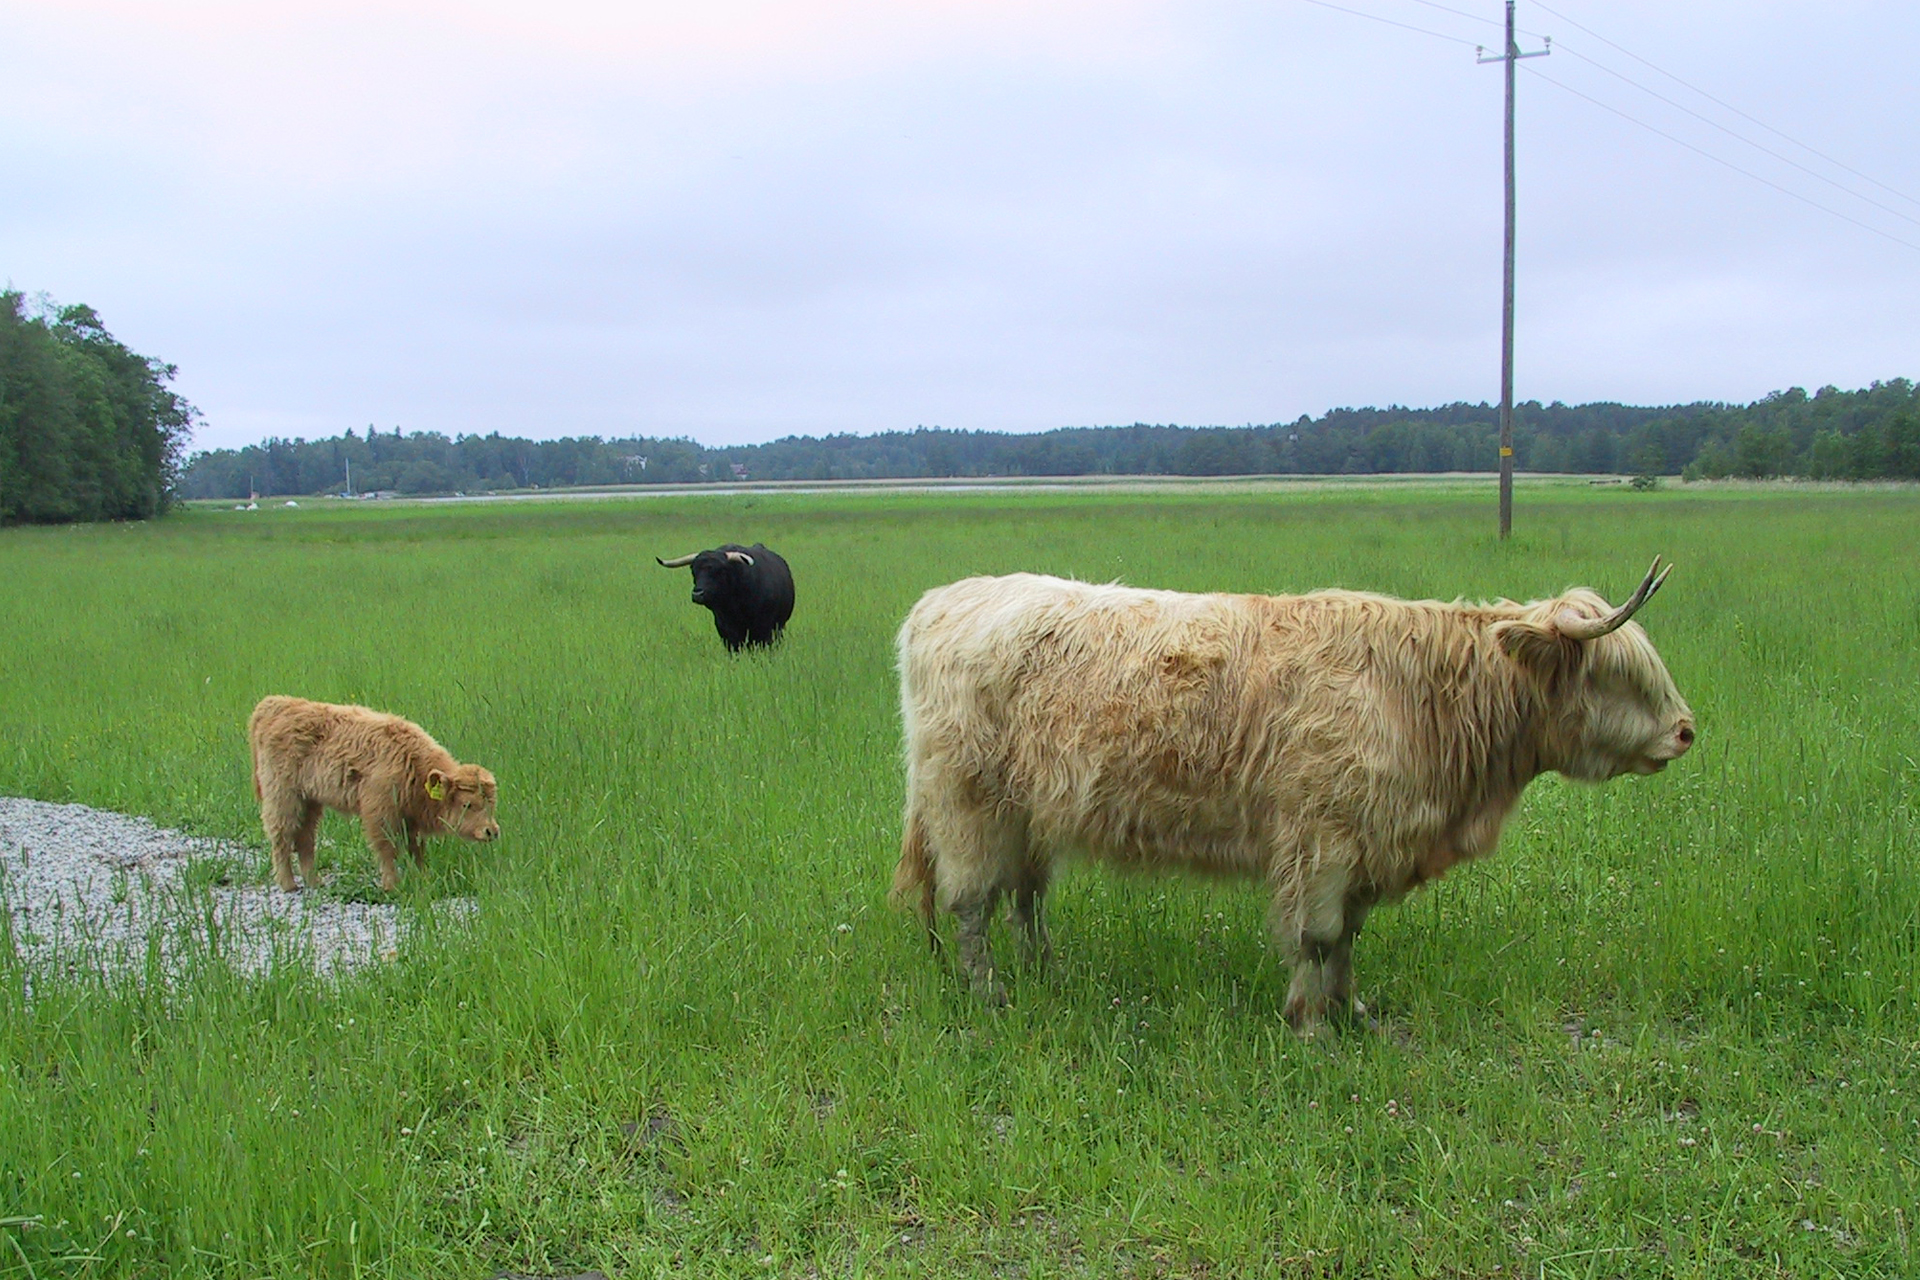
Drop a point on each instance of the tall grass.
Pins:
(1669, 1029)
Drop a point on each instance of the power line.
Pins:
(1460, 13)
(1404, 26)
(1813, 173)
(1474, 17)
(1372, 17)
(1717, 160)
(1728, 105)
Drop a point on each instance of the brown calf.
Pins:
(310, 756)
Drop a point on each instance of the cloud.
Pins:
(744, 220)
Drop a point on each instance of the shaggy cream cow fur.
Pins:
(1341, 746)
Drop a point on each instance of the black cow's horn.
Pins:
(741, 557)
(1577, 628)
(677, 563)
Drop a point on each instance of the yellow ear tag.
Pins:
(436, 792)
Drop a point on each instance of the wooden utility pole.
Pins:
(1510, 55)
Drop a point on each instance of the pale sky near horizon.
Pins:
(738, 221)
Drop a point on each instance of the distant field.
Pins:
(1157, 485)
(1672, 1028)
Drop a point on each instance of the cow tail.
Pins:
(913, 876)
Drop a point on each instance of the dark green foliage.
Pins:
(1459, 437)
(88, 429)
(1866, 434)
(1872, 434)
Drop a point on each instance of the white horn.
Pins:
(1574, 627)
(678, 563)
(740, 557)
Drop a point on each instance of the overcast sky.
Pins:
(738, 221)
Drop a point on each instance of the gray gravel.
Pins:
(90, 890)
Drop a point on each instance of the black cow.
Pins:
(749, 589)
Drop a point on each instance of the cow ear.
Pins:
(436, 785)
(1542, 652)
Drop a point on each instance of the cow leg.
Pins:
(417, 846)
(1311, 922)
(282, 815)
(976, 953)
(975, 850)
(303, 840)
(1027, 918)
(376, 825)
(1338, 968)
(1306, 1006)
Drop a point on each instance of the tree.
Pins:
(1647, 460)
(88, 429)
(1903, 447)
(1773, 436)
(1828, 457)
(1761, 451)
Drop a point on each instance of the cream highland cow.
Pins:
(1342, 747)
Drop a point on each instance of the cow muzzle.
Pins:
(1676, 744)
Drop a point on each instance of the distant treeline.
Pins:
(1870, 434)
(88, 429)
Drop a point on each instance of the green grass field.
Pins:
(1671, 1028)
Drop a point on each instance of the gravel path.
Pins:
(93, 890)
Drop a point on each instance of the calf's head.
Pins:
(1611, 707)
(465, 798)
(718, 576)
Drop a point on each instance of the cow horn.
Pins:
(740, 557)
(1577, 628)
(678, 563)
